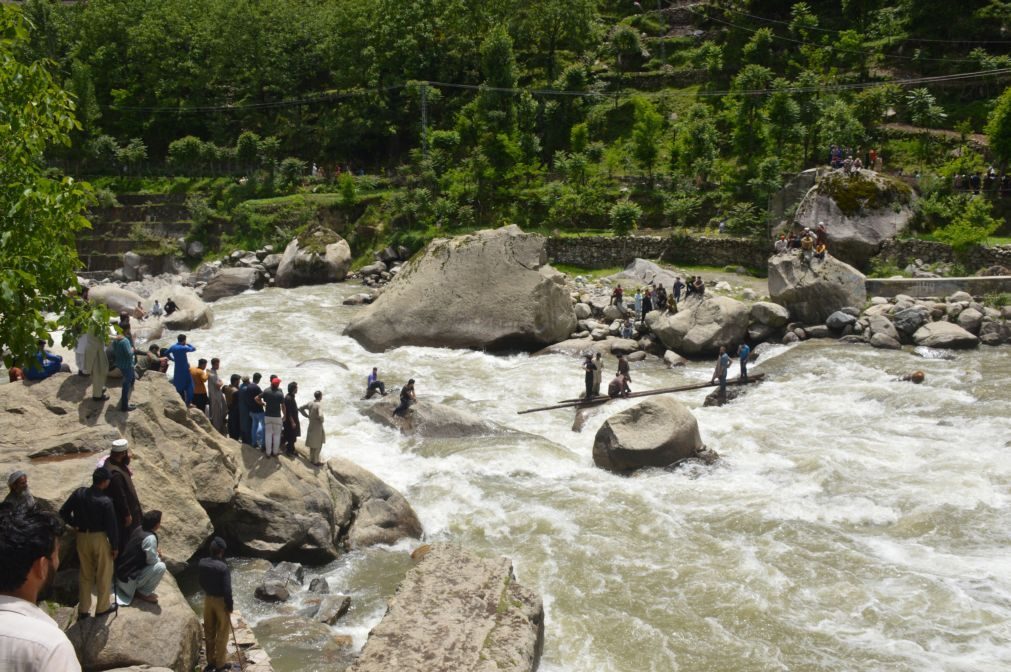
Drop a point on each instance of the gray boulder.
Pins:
(483, 290)
(860, 210)
(994, 333)
(582, 311)
(192, 313)
(944, 335)
(812, 293)
(272, 261)
(655, 433)
(643, 272)
(279, 581)
(909, 320)
(383, 515)
(970, 319)
(770, 314)
(165, 635)
(316, 257)
(331, 608)
(456, 611)
(428, 419)
(839, 320)
(232, 281)
(884, 341)
(115, 298)
(703, 327)
(879, 324)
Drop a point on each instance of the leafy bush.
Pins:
(291, 171)
(624, 216)
(972, 226)
(682, 208)
(346, 186)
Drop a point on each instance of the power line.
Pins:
(835, 49)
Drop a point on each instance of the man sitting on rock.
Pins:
(45, 364)
(407, 397)
(374, 384)
(617, 297)
(19, 495)
(140, 568)
(170, 307)
(781, 244)
(807, 246)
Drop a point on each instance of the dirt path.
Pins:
(908, 129)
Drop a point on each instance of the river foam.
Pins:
(854, 522)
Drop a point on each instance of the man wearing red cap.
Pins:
(272, 400)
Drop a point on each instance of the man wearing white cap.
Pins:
(121, 490)
(19, 495)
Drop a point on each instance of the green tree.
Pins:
(624, 216)
(39, 215)
(646, 133)
(838, 125)
(971, 227)
(998, 128)
(626, 46)
(247, 149)
(924, 112)
(549, 25)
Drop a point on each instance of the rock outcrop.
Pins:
(457, 612)
(641, 272)
(165, 635)
(316, 257)
(944, 335)
(232, 281)
(204, 483)
(701, 327)
(116, 298)
(484, 290)
(655, 433)
(860, 211)
(193, 313)
(812, 292)
(428, 419)
(383, 515)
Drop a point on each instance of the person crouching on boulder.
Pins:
(407, 397)
(618, 387)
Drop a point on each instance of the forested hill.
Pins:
(541, 112)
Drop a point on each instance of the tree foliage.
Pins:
(39, 214)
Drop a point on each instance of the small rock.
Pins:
(673, 359)
(884, 341)
(839, 320)
(279, 581)
(332, 607)
(959, 297)
(818, 331)
(636, 356)
(319, 586)
(583, 311)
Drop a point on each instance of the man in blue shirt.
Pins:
(722, 365)
(743, 353)
(45, 364)
(181, 377)
(122, 352)
(375, 384)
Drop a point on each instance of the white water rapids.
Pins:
(853, 523)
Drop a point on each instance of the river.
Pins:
(854, 522)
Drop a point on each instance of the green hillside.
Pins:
(567, 115)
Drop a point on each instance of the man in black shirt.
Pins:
(90, 512)
(253, 390)
(272, 402)
(590, 369)
(216, 582)
(406, 399)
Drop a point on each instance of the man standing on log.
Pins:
(90, 512)
(216, 582)
(722, 365)
(743, 352)
(591, 370)
(121, 490)
(597, 374)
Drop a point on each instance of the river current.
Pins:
(853, 522)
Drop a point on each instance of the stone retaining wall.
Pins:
(922, 287)
(903, 252)
(604, 252)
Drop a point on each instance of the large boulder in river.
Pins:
(944, 335)
(812, 292)
(860, 211)
(483, 290)
(701, 327)
(192, 312)
(232, 281)
(116, 298)
(428, 419)
(456, 612)
(165, 635)
(383, 515)
(655, 433)
(316, 257)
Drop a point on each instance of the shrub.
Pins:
(291, 171)
(624, 216)
(346, 186)
(972, 226)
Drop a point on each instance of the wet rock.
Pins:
(383, 515)
(789, 338)
(839, 320)
(456, 611)
(944, 335)
(852, 339)
(332, 607)
(879, 324)
(192, 312)
(909, 320)
(166, 635)
(714, 398)
(305, 639)
(769, 314)
(429, 419)
(673, 359)
(319, 586)
(654, 433)
(812, 293)
(232, 281)
(279, 581)
(316, 257)
(818, 331)
(358, 299)
(884, 341)
(994, 333)
(637, 356)
(442, 298)
(623, 346)
(702, 328)
(757, 333)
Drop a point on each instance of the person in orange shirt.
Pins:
(199, 373)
